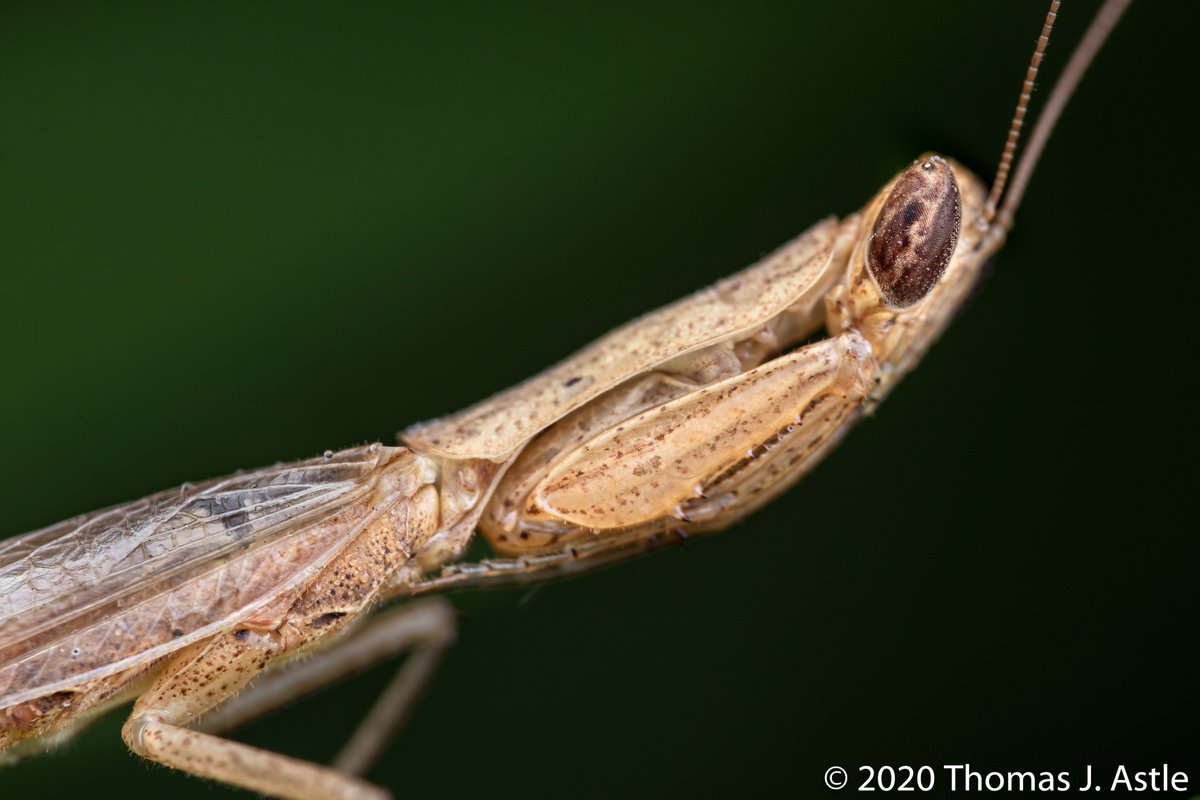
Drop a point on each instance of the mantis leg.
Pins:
(192, 681)
(205, 675)
(223, 665)
(427, 628)
(584, 557)
(608, 508)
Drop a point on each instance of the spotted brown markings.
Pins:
(710, 486)
(353, 580)
(915, 233)
(25, 717)
(327, 619)
(41, 716)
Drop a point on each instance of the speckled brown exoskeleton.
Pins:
(676, 424)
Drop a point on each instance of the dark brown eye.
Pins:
(915, 233)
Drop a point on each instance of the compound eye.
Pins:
(915, 233)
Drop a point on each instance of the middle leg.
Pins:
(426, 627)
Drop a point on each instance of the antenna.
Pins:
(1102, 25)
(1018, 120)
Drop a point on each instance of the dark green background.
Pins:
(235, 234)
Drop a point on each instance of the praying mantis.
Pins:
(555, 335)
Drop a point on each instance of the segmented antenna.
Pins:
(1102, 25)
(1018, 120)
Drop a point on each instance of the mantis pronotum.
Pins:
(805, 220)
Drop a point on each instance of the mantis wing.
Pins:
(114, 589)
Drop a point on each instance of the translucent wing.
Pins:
(494, 429)
(112, 589)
